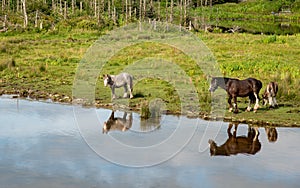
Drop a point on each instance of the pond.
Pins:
(44, 144)
(275, 27)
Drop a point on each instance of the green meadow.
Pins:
(45, 65)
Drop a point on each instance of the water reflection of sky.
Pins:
(41, 147)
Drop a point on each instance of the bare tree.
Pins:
(140, 11)
(73, 6)
(184, 15)
(126, 11)
(18, 5)
(180, 19)
(25, 13)
(3, 5)
(60, 7)
(158, 10)
(53, 6)
(171, 11)
(166, 10)
(95, 8)
(80, 6)
(144, 9)
(65, 10)
(36, 18)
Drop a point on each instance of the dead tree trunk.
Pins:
(184, 15)
(126, 11)
(25, 13)
(36, 18)
(65, 10)
(144, 9)
(140, 11)
(180, 18)
(95, 8)
(166, 10)
(80, 6)
(171, 11)
(3, 5)
(53, 6)
(73, 6)
(158, 10)
(18, 5)
(60, 7)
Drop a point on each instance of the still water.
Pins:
(52, 145)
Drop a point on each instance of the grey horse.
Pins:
(121, 80)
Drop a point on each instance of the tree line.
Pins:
(99, 13)
(38, 12)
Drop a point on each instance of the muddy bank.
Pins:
(64, 99)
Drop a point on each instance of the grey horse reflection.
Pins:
(117, 123)
(237, 144)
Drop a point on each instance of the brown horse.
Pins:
(237, 144)
(117, 123)
(249, 87)
(270, 94)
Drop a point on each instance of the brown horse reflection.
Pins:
(117, 123)
(237, 144)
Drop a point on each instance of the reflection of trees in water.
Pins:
(151, 115)
(150, 124)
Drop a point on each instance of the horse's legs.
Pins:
(124, 115)
(249, 105)
(113, 92)
(271, 102)
(229, 130)
(130, 90)
(125, 91)
(236, 110)
(256, 106)
(235, 129)
(230, 104)
(256, 133)
(275, 102)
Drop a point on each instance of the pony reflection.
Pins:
(117, 123)
(237, 144)
(271, 133)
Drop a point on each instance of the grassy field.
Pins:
(43, 65)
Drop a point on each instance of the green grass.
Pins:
(48, 63)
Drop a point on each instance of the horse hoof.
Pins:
(236, 111)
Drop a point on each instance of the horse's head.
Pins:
(213, 85)
(107, 80)
(265, 98)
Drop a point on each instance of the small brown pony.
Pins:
(270, 95)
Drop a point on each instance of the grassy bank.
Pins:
(43, 65)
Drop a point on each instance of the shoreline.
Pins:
(62, 99)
